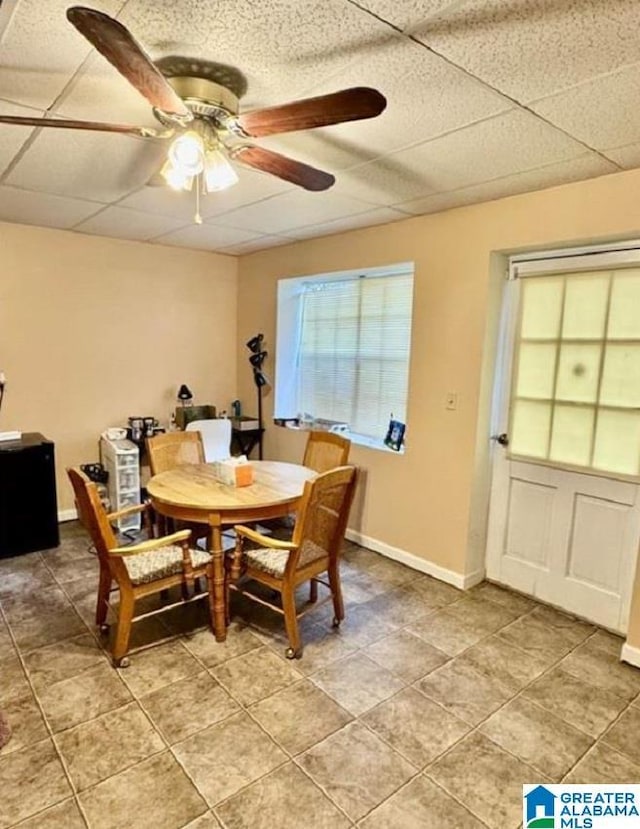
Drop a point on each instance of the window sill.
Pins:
(354, 437)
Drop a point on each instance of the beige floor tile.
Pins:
(464, 691)
(24, 578)
(357, 683)
(362, 626)
(21, 607)
(435, 592)
(322, 645)
(72, 564)
(506, 598)
(239, 640)
(300, 716)
(482, 615)
(63, 660)
(14, 685)
(138, 797)
(157, 667)
(416, 727)
(604, 765)
(537, 737)
(206, 821)
(31, 780)
(38, 631)
(356, 769)
(421, 805)
(604, 670)
(402, 606)
(624, 735)
(406, 654)
(447, 631)
(27, 725)
(605, 641)
(188, 706)
(532, 635)
(574, 630)
(486, 780)
(6, 643)
(83, 697)
(107, 745)
(256, 675)
(226, 757)
(285, 799)
(582, 705)
(65, 815)
(510, 666)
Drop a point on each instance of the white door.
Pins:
(564, 521)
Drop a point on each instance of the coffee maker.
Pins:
(136, 428)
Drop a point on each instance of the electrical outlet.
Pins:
(451, 401)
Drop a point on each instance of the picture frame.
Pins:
(395, 435)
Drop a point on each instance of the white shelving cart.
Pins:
(120, 458)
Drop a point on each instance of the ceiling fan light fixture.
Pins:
(186, 153)
(176, 179)
(218, 173)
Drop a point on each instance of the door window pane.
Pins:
(617, 447)
(578, 372)
(585, 306)
(541, 308)
(530, 429)
(571, 437)
(621, 376)
(536, 370)
(624, 319)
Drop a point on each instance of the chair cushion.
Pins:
(165, 561)
(274, 561)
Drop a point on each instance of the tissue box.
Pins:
(234, 471)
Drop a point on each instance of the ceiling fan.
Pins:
(197, 106)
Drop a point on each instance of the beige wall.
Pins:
(432, 501)
(94, 330)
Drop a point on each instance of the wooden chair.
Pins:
(326, 450)
(139, 570)
(314, 549)
(174, 449)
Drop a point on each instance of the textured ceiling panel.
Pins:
(407, 13)
(206, 237)
(28, 208)
(295, 209)
(616, 121)
(41, 50)
(379, 216)
(100, 167)
(531, 48)
(626, 157)
(498, 147)
(128, 224)
(258, 243)
(12, 138)
(587, 166)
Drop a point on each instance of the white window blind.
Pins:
(353, 351)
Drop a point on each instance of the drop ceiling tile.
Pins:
(41, 50)
(102, 167)
(379, 216)
(587, 166)
(426, 97)
(627, 157)
(280, 214)
(123, 223)
(383, 182)
(615, 121)
(407, 13)
(259, 243)
(281, 46)
(205, 237)
(500, 146)
(534, 48)
(26, 207)
(12, 137)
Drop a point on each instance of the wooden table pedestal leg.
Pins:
(219, 611)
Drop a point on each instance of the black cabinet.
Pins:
(28, 504)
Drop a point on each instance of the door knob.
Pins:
(502, 439)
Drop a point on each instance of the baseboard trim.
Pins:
(67, 515)
(458, 580)
(631, 655)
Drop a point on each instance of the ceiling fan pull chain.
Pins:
(198, 218)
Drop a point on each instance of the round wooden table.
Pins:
(192, 493)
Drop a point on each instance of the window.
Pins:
(576, 397)
(343, 348)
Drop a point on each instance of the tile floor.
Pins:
(429, 708)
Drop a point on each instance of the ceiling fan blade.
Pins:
(286, 168)
(120, 48)
(347, 105)
(66, 124)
